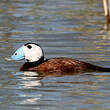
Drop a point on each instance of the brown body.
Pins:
(63, 66)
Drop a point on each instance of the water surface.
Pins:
(64, 28)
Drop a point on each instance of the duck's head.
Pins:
(30, 51)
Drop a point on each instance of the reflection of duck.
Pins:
(28, 74)
(33, 53)
(29, 79)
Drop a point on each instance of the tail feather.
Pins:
(92, 67)
(102, 69)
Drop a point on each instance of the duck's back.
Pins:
(63, 65)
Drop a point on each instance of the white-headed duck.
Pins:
(34, 55)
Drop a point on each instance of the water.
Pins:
(68, 28)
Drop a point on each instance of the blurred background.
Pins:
(64, 28)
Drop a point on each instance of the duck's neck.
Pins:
(36, 63)
(29, 65)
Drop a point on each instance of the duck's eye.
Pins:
(15, 53)
(29, 46)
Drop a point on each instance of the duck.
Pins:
(35, 61)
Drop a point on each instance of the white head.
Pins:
(31, 52)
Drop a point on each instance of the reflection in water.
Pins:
(28, 73)
(29, 80)
(64, 28)
(27, 87)
(61, 92)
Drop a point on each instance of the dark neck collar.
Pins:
(28, 65)
(36, 63)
